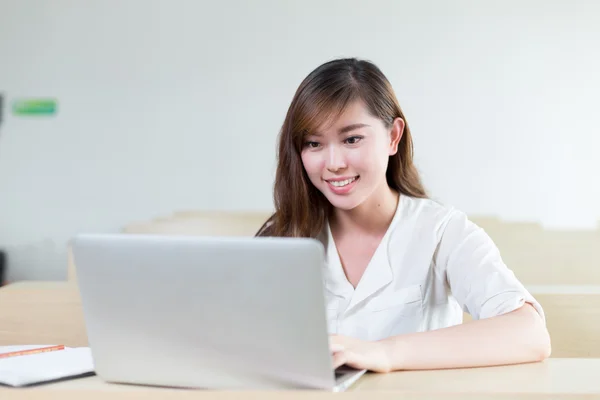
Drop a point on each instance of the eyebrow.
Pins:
(352, 127)
(345, 129)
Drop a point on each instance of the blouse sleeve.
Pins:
(478, 277)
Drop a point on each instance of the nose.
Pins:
(335, 159)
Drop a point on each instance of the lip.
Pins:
(344, 189)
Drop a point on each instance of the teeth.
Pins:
(342, 183)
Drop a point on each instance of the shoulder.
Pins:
(450, 229)
(432, 220)
(429, 211)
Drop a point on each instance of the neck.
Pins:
(371, 217)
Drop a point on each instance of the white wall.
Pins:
(171, 105)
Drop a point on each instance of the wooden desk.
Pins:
(564, 378)
(43, 312)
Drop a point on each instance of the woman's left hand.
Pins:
(359, 354)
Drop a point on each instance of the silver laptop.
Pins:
(207, 312)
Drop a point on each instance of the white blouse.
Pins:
(431, 264)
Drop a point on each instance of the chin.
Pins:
(345, 204)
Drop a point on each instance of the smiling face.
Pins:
(347, 160)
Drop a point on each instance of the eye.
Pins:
(311, 145)
(353, 139)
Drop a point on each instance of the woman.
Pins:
(401, 268)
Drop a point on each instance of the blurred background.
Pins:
(162, 108)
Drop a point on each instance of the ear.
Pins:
(396, 135)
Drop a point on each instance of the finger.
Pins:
(352, 362)
(350, 359)
(339, 359)
(334, 347)
(338, 340)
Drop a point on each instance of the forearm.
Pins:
(516, 337)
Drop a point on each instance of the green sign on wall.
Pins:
(41, 107)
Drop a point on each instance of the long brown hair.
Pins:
(301, 210)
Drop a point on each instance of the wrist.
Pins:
(394, 352)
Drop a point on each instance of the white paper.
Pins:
(43, 367)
